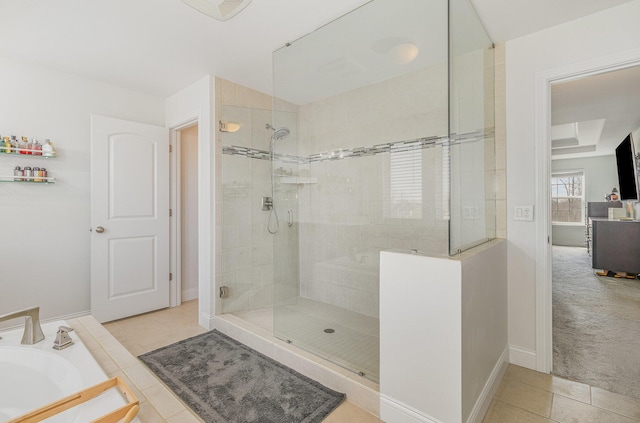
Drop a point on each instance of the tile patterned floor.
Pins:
(147, 332)
(354, 344)
(524, 396)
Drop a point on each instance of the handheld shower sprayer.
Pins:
(278, 134)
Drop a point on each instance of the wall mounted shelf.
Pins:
(28, 179)
(25, 152)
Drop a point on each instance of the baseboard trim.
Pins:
(206, 321)
(522, 357)
(395, 411)
(189, 294)
(490, 387)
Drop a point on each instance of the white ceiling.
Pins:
(613, 97)
(161, 46)
(509, 19)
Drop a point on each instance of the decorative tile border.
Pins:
(391, 147)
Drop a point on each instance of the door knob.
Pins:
(99, 229)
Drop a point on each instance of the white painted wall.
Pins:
(193, 103)
(45, 246)
(585, 40)
(600, 176)
(189, 211)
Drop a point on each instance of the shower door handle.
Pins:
(290, 221)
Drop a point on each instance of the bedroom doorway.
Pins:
(594, 335)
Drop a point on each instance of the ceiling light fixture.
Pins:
(221, 10)
(401, 50)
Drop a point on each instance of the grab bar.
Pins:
(290, 221)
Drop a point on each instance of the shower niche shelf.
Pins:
(299, 180)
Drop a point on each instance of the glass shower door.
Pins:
(366, 173)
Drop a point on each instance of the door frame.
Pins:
(544, 81)
(175, 201)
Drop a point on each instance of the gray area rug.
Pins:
(224, 381)
(596, 325)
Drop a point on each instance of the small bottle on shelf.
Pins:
(43, 173)
(7, 145)
(37, 147)
(15, 145)
(37, 176)
(28, 174)
(47, 148)
(22, 145)
(17, 174)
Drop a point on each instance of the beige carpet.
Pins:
(596, 325)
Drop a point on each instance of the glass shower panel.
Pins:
(363, 173)
(247, 248)
(472, 152)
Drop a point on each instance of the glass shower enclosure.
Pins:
(389, 114)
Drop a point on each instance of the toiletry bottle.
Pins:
(43, 173)
(7, 145)
(16, 145)
(22, 145)
(17, 174)
(28, 174)
(29, 146)
(47, 148)
(37, 176)
(37, 147)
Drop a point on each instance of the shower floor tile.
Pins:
(354, 343)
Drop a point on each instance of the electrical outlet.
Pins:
(524, 213)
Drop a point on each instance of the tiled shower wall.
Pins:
(245, 250)
(331, 255)
(344, 219)
(473, 174)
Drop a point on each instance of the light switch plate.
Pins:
(524, 213)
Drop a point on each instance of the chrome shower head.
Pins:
(278, 133)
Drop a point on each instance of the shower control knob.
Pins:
(99, 229)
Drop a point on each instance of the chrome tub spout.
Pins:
(32, 330)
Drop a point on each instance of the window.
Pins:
(567, 198)
(403, 185)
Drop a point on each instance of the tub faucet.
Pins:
(32, 330)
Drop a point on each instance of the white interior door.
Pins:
(129, 218)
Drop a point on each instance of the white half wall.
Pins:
(443, 334)
(45, 228)
(420, 339)
(484, 328)
(589, 40)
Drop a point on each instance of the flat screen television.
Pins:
(627, 172)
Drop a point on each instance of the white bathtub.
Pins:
(34, 375)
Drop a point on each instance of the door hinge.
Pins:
(170, 148)
(170, 277)
(170, 212)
